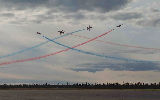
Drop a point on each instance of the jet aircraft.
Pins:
(38, 33)
(89, 28)
(119, 25)
(61, 32)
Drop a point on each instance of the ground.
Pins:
(75, 94)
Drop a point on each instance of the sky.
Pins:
(138, 38)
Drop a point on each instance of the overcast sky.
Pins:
(21, 19)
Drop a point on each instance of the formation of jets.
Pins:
(88, 28)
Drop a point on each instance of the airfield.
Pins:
(79, 94)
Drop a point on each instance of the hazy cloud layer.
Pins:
(121, 66)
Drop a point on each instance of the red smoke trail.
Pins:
(118, 44)
(36, 58)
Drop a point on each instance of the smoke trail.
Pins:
(91, 53)
(118, 44)
(36, 58)
(38, 45)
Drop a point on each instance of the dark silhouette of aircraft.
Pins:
(61, 32)
(38, 33)
(119, 25)
(89, 28)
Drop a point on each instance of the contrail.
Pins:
(118, 44)
(38, 45)
(95, 54)
(54, 53)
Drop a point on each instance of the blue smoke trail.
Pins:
(99, 55)
(27, 49)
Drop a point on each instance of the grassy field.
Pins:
(75, 94)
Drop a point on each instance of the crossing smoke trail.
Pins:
(36, 58)
(38, 45)
(118, 44)
(99, 55)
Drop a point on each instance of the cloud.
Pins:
(127, 16)
(155, 10)
(69, 5)
(154, 22)
(22, 4)
(13, 76)
(38, 11)
(77, 16)
(7, 15)
(94, 5)
(146, 16)
(118, 66)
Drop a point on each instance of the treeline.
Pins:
(87, 86)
